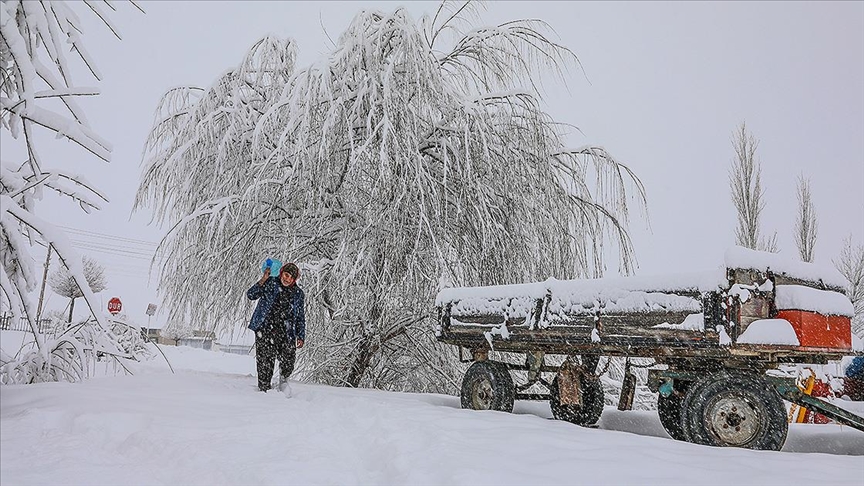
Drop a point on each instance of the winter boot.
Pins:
(283, 386)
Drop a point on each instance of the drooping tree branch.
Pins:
(387, 169)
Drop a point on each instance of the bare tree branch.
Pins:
(806, 226)
(745, 183)
(851, 264)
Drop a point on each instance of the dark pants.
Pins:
(271, 343)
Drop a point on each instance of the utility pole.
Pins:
(42, 292)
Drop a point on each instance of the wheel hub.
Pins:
(482, 395)
(734, 421)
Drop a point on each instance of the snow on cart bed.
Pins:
(585, 296)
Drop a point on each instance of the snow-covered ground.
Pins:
(207, 424)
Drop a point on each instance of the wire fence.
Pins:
(199, 339)
(9, 323)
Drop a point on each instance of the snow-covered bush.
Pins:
(130, 340)
(393, 166)
(73, 354)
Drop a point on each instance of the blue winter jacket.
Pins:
(266, 294)
(856, 368)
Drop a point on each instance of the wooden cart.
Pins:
(715, 338)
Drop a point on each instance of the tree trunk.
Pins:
(71, 308)
(367, 349)
(369, 345)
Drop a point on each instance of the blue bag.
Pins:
(274, 265)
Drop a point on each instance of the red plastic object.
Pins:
(820, 389)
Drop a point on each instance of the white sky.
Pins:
(667, 83)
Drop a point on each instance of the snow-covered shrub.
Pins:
(73, 354)
(130, 340)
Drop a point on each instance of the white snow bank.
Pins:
(739, 257)
(201, 427)
(195, 359)
(241, 336)
(825, 302)
(769, 331)
(13, 341)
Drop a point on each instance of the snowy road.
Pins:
(208, 425)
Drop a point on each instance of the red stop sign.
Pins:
(114, 305)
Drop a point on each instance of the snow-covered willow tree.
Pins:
(392, 166)
(38, 93)
(225, 206)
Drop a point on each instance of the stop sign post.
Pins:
(114, 305)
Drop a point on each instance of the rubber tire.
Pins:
(687, 405)
(669, 410)
(586, 414)
(759, 401)
(497, 380)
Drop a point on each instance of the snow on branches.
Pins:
(37, 93)
(64, 284)
(386, 168)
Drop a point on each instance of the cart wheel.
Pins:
(586, 414)
(669, 410)
(488, 386)
(687, 404)
(735, 410)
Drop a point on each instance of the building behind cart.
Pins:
(717, 338)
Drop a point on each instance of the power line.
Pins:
(120, 250)
(110, 237)
(126, 257)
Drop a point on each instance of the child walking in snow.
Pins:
(279, 323)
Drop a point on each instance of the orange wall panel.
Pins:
(820, 331)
